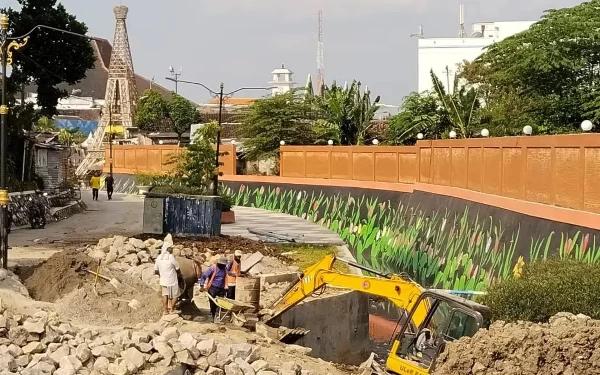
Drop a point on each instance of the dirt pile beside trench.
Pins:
(58, 275)
(567, 345)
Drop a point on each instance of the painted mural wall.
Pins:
(438, 240)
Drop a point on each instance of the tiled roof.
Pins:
(94, 84)
(234, 101)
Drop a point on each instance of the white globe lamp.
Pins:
(452, 134)
(485, 133)
(282, 143)
(330, 142)
(375, 142)
(527, 130)
(587, 125)
(420, 136)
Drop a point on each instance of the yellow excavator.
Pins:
(430, 317)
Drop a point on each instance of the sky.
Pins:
(239, 42)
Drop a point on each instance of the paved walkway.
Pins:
(266, 221)
(123, 216)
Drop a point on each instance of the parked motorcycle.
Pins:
(36, 213)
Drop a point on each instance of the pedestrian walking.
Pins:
(167, 268)
(109, 182)
(95, 185)
(234, 268)
(214, 281)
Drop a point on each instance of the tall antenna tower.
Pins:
(461, 21)
(320, 59)
(120, 100)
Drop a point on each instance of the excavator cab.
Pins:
(415, 350)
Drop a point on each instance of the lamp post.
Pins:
(221, 96)
(176, 75)
(7, 46)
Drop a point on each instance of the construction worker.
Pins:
(214, 281)
(234, 268)
(167, 268)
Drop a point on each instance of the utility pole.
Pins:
(448, 72)
(216, 173)
(221, 96)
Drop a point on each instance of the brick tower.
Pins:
(121, 94)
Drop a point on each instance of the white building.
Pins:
(444, 55)
(282, 80)
(69, 103)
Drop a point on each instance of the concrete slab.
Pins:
(274, 278)
(249, 262)
(303, 231)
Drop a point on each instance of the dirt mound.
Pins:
(58, 275)
(567, 345)
(108, 305)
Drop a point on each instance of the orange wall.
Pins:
(128, 159)
(560, 170)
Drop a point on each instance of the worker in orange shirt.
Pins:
(234, 268)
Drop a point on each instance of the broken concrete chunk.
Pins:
(83, 352)
(101, 365)
(292, 367)
(134, 360)
(260, 365)
(118, 369)
(33, 347)
(184, 356)
(170, 333)
(7, 362)
(206, 347)
(187, 340)
(59, 353)
(215, 371)
(246, 368)
(242, 350)
(108, 351)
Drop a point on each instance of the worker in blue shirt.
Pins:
(214, 281)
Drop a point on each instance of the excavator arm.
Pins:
(404, 293)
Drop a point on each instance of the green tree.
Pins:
(46, 124)
(152, 112)
(50, 57)
(155, 113)
(420, 113)
(350, 110)
(547, 75)
(284, 117)
(195, 167)
(182, 114)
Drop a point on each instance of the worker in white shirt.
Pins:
(167, 268)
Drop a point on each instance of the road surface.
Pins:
(122, 215)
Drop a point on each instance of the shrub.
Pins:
(150, 179)
(546, 288)
(177, 189)
(228, 201)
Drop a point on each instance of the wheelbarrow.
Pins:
(231, 310)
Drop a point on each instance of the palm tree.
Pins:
(461, 106)
(349, 110)
(45, 124)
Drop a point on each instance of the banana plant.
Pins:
(461, 107)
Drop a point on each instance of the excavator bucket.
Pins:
(293, 335)
(280, 333)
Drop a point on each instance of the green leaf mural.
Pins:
(440, 249)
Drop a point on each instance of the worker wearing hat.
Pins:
(167, 268)
(214, 281)
(234, 268)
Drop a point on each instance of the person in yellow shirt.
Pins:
(95, 185)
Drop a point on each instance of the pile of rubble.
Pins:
(135, 257)
(567, 345)
(43, 344)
